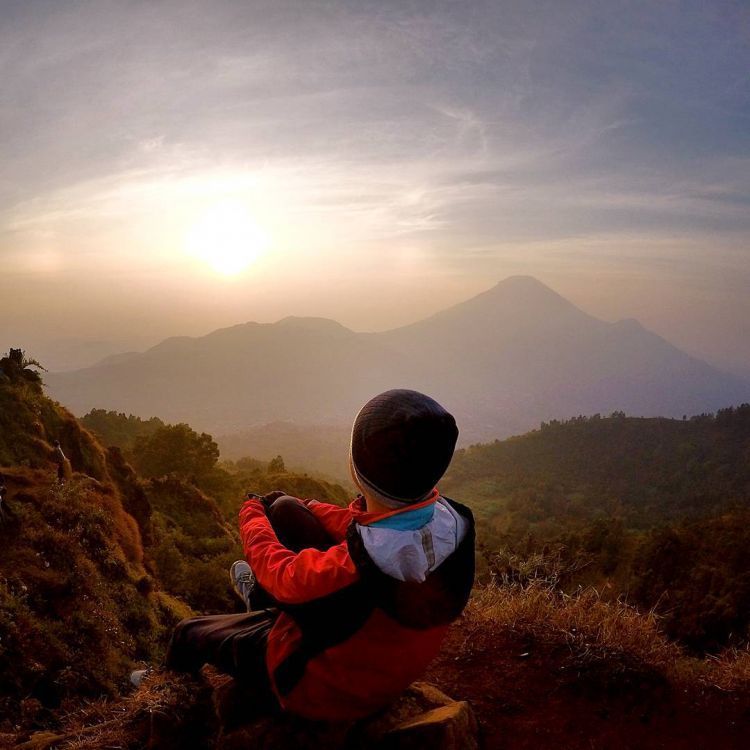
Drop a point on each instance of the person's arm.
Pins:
(289, 577)
(335, 520)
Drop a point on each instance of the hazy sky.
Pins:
(172, 167)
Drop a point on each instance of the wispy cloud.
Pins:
(460, 139)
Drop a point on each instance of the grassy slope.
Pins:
(547, 671)
(94, 573)
(80, 599)
(76, 602)
(542, 672)
(652, 509)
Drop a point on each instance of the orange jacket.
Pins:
(349, 638)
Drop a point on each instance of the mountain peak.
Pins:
(521, 281)
(629, 324)
(528, 287)
(521, 295)
(513, 305)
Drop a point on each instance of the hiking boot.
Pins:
(243, 581)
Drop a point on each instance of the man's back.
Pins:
(358, 624)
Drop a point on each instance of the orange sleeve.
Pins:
(290, 577)
(335, 520)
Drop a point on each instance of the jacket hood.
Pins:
(445, 586)
(412, 554)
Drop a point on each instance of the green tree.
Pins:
(119, 429)
(176, 449)
(17, 367)
(276, 466)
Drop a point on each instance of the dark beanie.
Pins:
(402, 443)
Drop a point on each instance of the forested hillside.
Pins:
(656, 509)
(97, 569)
(653, 509)
(643, 470)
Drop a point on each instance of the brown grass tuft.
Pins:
(602, 632)
(168, 711)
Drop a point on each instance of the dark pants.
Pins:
(236, 644)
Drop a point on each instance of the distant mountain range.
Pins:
(502, 362)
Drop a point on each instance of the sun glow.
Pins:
(227, 238)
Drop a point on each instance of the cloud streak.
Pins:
(379, 142)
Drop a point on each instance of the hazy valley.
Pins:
(502, 362)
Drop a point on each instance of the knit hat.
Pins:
(402, 443)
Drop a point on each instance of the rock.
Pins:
(246, 723)
(451, 727)
(423, 717)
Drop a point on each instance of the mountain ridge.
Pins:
(503, 361)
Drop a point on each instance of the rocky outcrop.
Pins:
(423, 717)
(170, 712)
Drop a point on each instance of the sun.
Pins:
(227, 238)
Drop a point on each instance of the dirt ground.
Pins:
(534, 696)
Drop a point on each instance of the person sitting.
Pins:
(347, 606)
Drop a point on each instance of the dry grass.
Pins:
(168, 710)
(596, 630)
(730, 671)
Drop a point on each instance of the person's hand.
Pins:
(268, 499)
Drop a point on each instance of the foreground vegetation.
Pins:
(547, 669)
(95, 572)
(652, 509)
(623, 541)
(610, 635)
